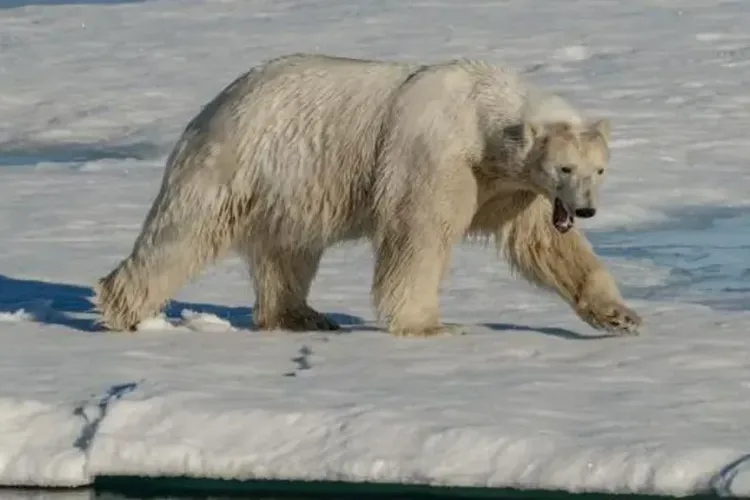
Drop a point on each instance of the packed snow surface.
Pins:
(92, 97)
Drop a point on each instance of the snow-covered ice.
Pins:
(92, 97)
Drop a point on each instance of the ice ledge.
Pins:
(167, 436)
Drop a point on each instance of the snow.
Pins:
(93, 97)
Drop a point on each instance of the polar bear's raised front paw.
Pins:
(613, 317)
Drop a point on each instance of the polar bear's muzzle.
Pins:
(575, 198)
(562, 216)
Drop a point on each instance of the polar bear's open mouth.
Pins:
(562, 217)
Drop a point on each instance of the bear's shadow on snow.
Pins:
(562, 333)
(63, 304)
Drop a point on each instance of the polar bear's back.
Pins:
(300, 117)
(307, 114)
(299, 136)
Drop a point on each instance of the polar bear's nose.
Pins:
(585, 213)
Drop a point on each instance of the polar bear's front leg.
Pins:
(412, 251)
(566, 264)
(599, 304)
(406, 285)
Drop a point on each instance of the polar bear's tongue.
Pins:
(562, 219)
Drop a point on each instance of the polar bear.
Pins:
(305, 151)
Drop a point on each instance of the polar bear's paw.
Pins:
(305, 319)
(613, 317)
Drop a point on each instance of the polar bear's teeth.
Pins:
(562, 219)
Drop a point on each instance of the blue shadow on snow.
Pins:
(61, 303)
(7, 4)
(15, 155)
(704, 250)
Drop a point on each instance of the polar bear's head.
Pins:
(566, 162)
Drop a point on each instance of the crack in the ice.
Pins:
(91, 425)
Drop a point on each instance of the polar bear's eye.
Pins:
(566, 169)
(600, 171)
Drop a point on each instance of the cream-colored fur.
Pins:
(305, 151)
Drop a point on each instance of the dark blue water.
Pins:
(353, 494)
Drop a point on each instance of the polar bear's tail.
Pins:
(188, 226)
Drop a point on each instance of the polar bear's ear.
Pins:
(524, 135)
(602, 127)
